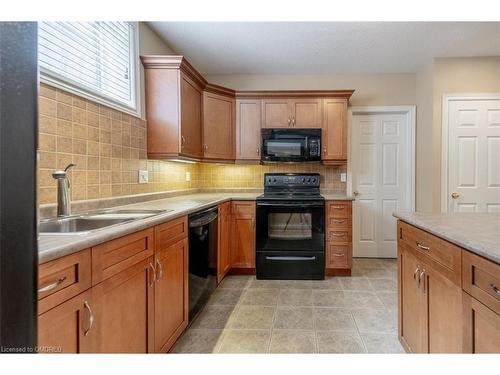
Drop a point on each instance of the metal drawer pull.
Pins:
(495, 289)
(338, 207)
(91, 317)
(160, 268)
(417, 272)
(154, 274)
(420, 277)
(290, 258)
(337, 255)
(52, 286)
(338, 235)
(422, 246)
(339, 221)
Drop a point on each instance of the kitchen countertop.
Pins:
(476, 232)
(53, 246)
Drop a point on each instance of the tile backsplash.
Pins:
(109, 148)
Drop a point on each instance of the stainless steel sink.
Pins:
(94, 221)
(78, 224)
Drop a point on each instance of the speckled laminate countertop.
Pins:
(53, 246)
(476, 232)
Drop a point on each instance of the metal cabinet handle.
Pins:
(324, 150)
(91, 317)
(183, 140)
(160, 269)
(289, 121)
(52, 286)
(205, 147)
(415, 274)
(427, 248)
(293, 121)
(258, 151)
(422, 274)
(154, 274)
(495, 289)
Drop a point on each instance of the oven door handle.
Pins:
(291, 205)
(289, 258)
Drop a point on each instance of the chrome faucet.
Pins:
(63, 196)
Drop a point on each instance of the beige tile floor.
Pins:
(355, 314)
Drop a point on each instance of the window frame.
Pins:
(67, 84)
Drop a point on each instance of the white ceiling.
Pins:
(325, 47)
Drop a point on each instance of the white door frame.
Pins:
(445, 126)
(409, 111)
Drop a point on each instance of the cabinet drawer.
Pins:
(243, 209)
(481, 279)
(342, 236)
(117, 255)
(170, 232)
(338, 209)
(338, 256)
(336, 223)
(443, 253)
(62, 279)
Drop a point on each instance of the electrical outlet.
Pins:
(343, 177)
(188, 176)
(143, 177)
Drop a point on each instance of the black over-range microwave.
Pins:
(290, 145)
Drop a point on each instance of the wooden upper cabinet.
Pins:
(248, 125)
(334, 134)
(218, 126)
(173, 107)
(276, 113)
(306, 113)
(191, 132)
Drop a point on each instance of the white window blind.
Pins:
(97, 58)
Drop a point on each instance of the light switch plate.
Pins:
(143, 177)
(343, 177)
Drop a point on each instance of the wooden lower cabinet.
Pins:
(171, 294)
(482, 327)
(224, 245)
(67, 328)
(338, 250)
(123, 310)
(243, 234)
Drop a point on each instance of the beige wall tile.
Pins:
(47, 142)
(47, 107)
(64, 111)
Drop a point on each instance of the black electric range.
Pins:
(290, 228)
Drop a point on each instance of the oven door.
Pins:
(290, 226)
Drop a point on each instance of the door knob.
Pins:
(455, 195)
(355, 193)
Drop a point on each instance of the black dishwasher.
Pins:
(202, 258)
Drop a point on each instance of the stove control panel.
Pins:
(291, 179)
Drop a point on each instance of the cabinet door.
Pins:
(243, 234)
(190, 118)
(306, 113)
(481, 327)
(248, 124)
(276, 113)
(67, 328)
(334, 136)
(412, 322)
(171, 294)
(224, 246)
(444, 312)
(218, 126)
(124, 307)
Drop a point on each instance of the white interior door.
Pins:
(473, 157)
(381, 171)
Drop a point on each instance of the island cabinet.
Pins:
(289, 113)
(218, 126)
(338, 237)
(243, 235)
(334, 131)
(127, 295)
(248, 125)
(430, 293)
(224, 241)
(173, 107)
